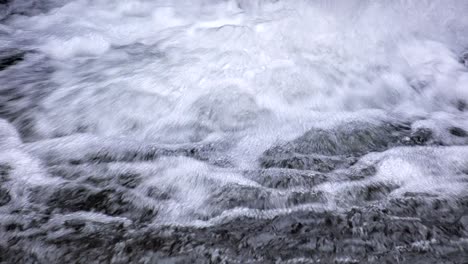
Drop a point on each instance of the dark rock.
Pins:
(297, 198)
(419, 194)
(110, 201)
(26, 7)
(464, 223)
(464, 59)
(22, 89)
(355, 138)
(73, 198)
(375, 192)
(204, 152)
(361, 235)
(461, 105)
(158, 194)
(129, 180)
(5, 197)
(5, 170)
(339, 148)
(458, 132)
(306, 162)
(286, 178)
(421, 136)
(10, 60)
(232, 196)
(310, 151)
(358, 172)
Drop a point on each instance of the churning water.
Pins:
(211, 131)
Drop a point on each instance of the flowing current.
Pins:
(211, 131)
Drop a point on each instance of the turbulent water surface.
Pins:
(211, 131)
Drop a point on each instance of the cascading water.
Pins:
(211, 131)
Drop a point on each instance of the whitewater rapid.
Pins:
(194, 113)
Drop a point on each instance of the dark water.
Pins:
(240, 131)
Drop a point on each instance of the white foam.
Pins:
(131, 75)
(288, 57)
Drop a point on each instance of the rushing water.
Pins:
(169, 131)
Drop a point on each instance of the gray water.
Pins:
(213, 131)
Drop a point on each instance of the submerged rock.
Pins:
(420, 137)
(361, 235)
(350, 139)
(325, 150)
(25, 7)
(4, 196)
(458, 132)
(109, 201)
(307, 162)
(464, 59)
(8, 59)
